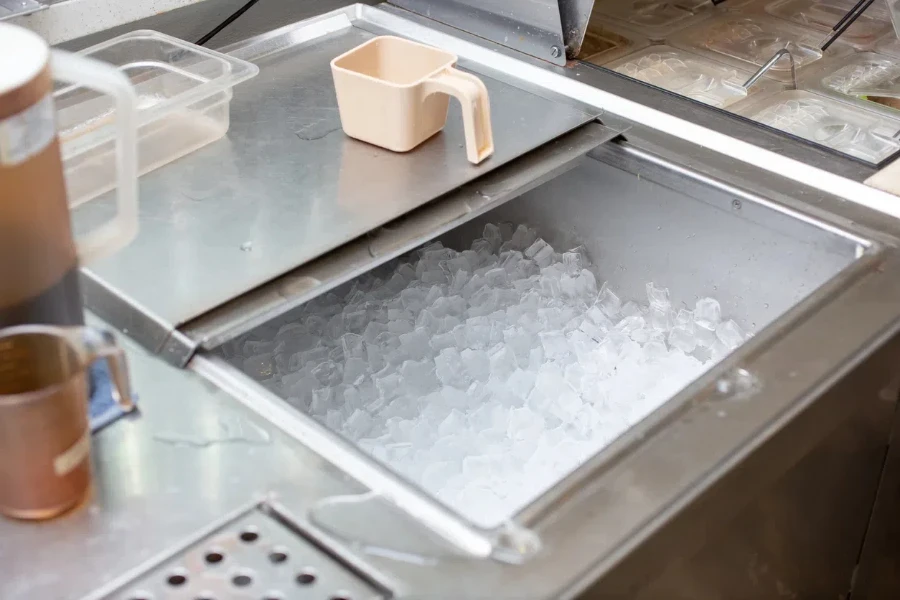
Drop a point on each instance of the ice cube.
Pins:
(574, 261)
(631, 309)
(407, 271)
(502, 361)
(428, 322)
(321, 400)
(418, 377)
(520, 383)
(416, 343)
(459, 281)
(477, 364)
(358, 424)
(355, 320)
(387, 383)
(492, 234)
(682, 338)
(373, 329)
(413, 299)
(433, 295)
(608, 302)
(655, 350)
(658, 296)
(355, 370)
(450, 369)
(333, 419)
(522, 238)
(707, 312)
(730, 334)
(442, 340)
(497, 277)
(540, 252)
(535, 359)
(400, 326)
(448, 306)
(387, 341)
(352, 345)
(478, 332)
(630, 324)
(328, 373)
(660, 319)
(685, 318)
(554, 344)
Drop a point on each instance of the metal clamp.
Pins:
(771, 62)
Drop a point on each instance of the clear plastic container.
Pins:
(894, 9)
(655, 20)
(749, 41)
(822, 15)
(889, 45)
(184, 93)
(604, 43)
(696, 77)
(864, 134)
(858, 78)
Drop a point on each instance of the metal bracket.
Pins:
(551, 30)
(18, 8)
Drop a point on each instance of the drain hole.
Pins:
(306, 578)
(278, 556)
(242, 580)
(176, 580)
(340, 597)
(205, 597)
(213, 557)
(249, 535)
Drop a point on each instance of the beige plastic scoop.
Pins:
(394, 93)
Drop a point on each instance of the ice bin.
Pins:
(661, 227)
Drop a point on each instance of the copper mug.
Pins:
(45, 437)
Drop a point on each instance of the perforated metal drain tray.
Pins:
(258, 555)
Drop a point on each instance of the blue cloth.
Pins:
(102, 407)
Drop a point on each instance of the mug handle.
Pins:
(476, 109)
(94, 344)
(98, 76)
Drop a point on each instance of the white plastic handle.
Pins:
(98, 76)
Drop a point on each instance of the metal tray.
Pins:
(285, 186)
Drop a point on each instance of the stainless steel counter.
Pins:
(191, 456)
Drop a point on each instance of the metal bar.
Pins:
(771, 62)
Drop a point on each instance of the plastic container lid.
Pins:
(656, 20)
(858, 76)
(604, 43)
(696, 77)
(749, 41)
(822, 15)
(894, 9)
(864, 134)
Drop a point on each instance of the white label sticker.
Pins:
(71, 458)
(27, 133)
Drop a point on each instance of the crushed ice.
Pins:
(486, 375)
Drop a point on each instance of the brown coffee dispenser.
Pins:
(38, 256)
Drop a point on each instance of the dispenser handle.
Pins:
(476, 109)
(98, 76)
